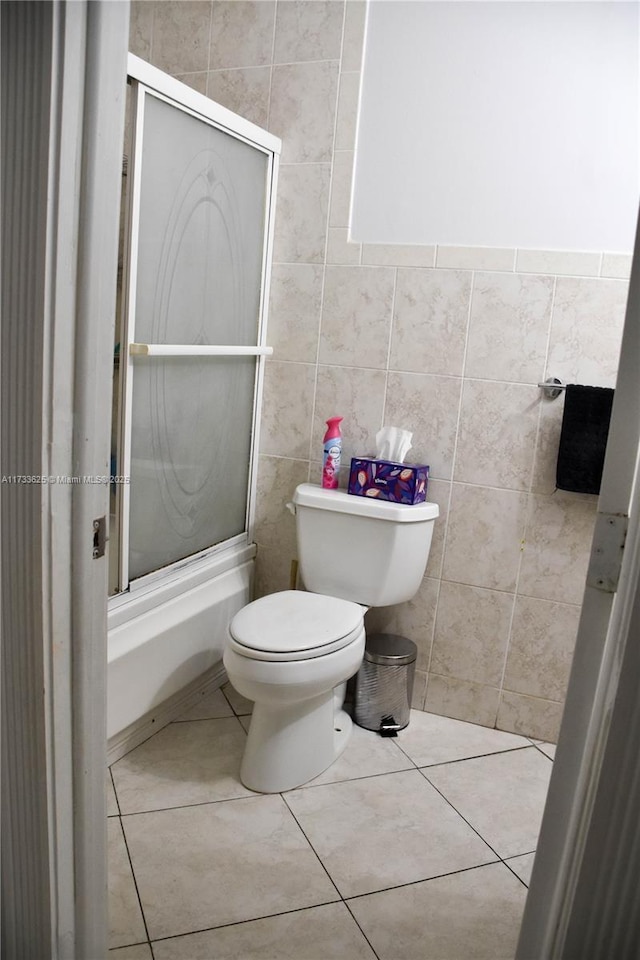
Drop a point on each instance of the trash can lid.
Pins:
(387, 648)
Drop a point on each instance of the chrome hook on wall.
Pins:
(552, 388)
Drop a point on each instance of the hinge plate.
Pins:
(608, 546)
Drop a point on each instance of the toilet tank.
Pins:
(358, 548)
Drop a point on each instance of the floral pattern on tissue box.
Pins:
(386, 480)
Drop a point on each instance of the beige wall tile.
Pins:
(399, 254)
(356, 316)
(431, 313)
(530, 716)
(428, 407)
(438, 491)
(308, 30)
(141, 28)
(347, 111)
(181, 35)
(301, 215)
(315, 472)
(241, 33)
(543, 636)
(245, 90)
(484, 536)
(275, 529)
(358, 396)
(294, 310)
(509, 327)
(586, 330)
(414, 619)
(475, 258)
(419, 689)
(286, 426)
(546, 458)
(558, 543)
(471, 633)
(616, 265)
(353, 39)
(462, 700)
(303, 108)
(340, 249)
(341, 188)
(497, 434)
(197, 81)
(556, 262)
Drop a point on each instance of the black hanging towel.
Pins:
(585, 426)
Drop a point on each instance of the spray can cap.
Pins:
(333, 428)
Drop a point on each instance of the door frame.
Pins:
(64, 63)
(574, 908)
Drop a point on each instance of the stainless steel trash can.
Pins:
(384, 683)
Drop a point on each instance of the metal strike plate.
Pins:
(606, 558)
(99, 537)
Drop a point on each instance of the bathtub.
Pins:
(162, 639)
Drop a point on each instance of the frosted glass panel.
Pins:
(202, 211)
(199, 272)
(190, 446)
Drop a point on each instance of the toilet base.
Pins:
(290, 744)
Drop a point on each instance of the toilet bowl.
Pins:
(291, 653)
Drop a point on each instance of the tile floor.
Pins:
(415, 848)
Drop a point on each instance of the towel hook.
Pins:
(552, 388)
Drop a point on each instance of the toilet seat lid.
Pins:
(296, 624)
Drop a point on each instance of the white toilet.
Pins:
(292, 652)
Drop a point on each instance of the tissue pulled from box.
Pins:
(392, 443)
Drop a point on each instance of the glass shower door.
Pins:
(199, 216)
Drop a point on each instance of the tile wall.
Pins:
(449, 342)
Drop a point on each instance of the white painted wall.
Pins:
(502, 124)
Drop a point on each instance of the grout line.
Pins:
(355, 920)
(317, 855)
(135, 883)
(113, 784)
(210, 43)
(240, 923)
(509, 867)
(413, 883)
(470, 825)
(390, 341)
(475, 756)
(324, 259)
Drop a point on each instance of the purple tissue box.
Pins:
(386, 480)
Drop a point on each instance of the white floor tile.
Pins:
(366, 755)
(184, 763)
(474, 915)
(549, 749)
(523, 866)
(139, 951)
(212, 864)
(126, 925)
(314, 934)
(502, 796)
(384, 831)
(211, 706)
(241, 706)
(112, 803)
(431, 739)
